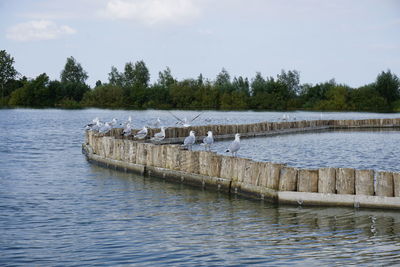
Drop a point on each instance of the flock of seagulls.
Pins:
(189, 141)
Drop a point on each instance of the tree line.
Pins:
(131, 89)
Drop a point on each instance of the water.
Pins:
(58, 210)
(375, 149)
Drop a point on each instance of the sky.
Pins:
(351, 41)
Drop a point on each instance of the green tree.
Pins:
(115, 78)
(165, 78)
(366, 98)
(73, 72)
(223, 81)
(34, 93)
(137, 75)
(388, 85)
(104, 96)
(292, 80)
(7, 71)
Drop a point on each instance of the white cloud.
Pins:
(38, 30)
(152, 11)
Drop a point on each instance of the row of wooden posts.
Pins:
(264, 127)
(242, 172)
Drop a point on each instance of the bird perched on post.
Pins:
(141, 134)
(208, 140)
(158, 137)
(234, 146)
(189, 140)
(127, 130)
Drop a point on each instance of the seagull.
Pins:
(156, 124)
(142, 133)
(160, 135)
(234, 146)
(92, 124)
(285, 117)
(127, 130)
(189, 140)
(129, 121)
(105, 128)
(113, 123)
(208, 140)
(185, 122)
(97, 126)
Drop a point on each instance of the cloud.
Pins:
(152, 12)
(38, 30)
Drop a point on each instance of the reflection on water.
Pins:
(360, 149)
(57, 209)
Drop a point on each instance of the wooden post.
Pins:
(327, 180)
(364, 182)
(307, 181)
(288, 179)
(263, 174)
(384, 184)
(190, 161)
(253, 173)
(345, 181)
(173, 157)
(396, 184)
(242, 168)
(132, 151)
(228, 168)
(141, 153)
(273, 172)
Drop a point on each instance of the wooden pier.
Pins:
(262, 180)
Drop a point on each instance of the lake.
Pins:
(56, 209)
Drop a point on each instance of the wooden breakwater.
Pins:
(264, 180)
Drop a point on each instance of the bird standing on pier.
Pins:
(94, 124)
(189, 140)
(113, 123)
(105, 128)
(142, 133)
(208, 141)
(158, 137)
(234, 146)
(127, 130)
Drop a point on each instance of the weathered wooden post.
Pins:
(384, 184)
(288, 179)
(307, 181)
(345, 181)
(141, 153)
(243, 166)
(272, 174)
(210, 163)
(173, 157)
(228, 168)
(253, 173)
(327, 180)
(190, 161)
(364, 182)
(132, 151)
(396, 184)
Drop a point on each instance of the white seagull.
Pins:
(127, 130)
(113, 123)
(94, 122)
(189, 140)
(160, 135)
(185, 122)
(105, 128)
(208, 140)
(142, 133)
(155, 124)
(234, 146)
